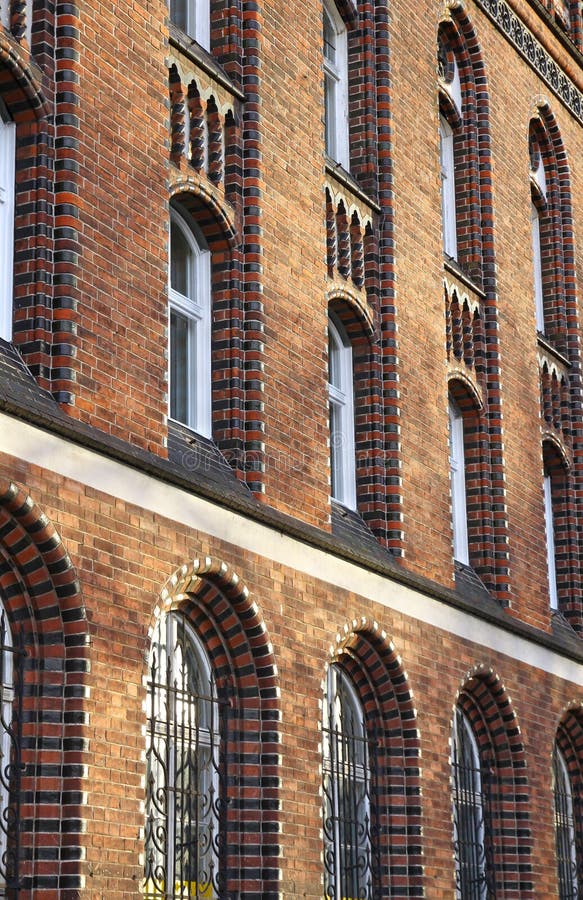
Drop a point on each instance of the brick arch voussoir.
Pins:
(44, 577)
(569, 737)
(483, 696)
(356, 315)
(363, 645)
(211, 215)
(20, 85)
(191, 579)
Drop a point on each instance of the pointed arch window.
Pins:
(190, 326)
(341, 399)
(565, 829)
(192, 17)
(7, 174)
(346, 771)
(183, 793)
(469, 813)
(335, 85)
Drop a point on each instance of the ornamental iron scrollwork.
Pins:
(349, 788)
(185, 805)
(475, 793)
(12, 657)
(568, 811)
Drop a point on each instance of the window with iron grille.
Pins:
(348, 754)
(472, 798)
(11, 683)
(183, 838)
(565, 829)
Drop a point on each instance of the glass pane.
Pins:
(346, 788)
(181, 258)
(336, 440)
(182, 797)
(180, 366)
(329, 39)
(179, 13)
(334, 367)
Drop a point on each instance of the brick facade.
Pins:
(113, 516)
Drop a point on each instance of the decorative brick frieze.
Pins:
(41, 595)
(547, 68)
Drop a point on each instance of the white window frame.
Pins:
(550, 541)
(341, 404)
(448, 192)
(196, 16)
(336, 85)
(539, 306)
(7, 190)
(470, 796)
(343, 724)
(195, 307)
(457, 468)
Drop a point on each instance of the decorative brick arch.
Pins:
(226, 619)
(20, 85)
(466, 393)
(458, 41)
(485, 702)
(360, 325)
(229, 373)
(363, 650)
(41, 594)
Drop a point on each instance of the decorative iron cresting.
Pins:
(185, 805)
(12, 656)
(535, 54)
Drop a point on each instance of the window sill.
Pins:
(190, 451)
(339, 173)
(202, 58)
(452, 266)
(550, 348)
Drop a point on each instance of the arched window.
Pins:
(347, 792)
(336, 85)
(448, 199)
(565, 830)
(183, 792)
(457, 468)
(190, 326)
(193, 17)
(341, 398)
(7, 151)
(11, 659)
(540, 232)
(469, 815)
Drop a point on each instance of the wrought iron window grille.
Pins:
(475, 795)
(568, 812)
(12, 657)
(185, 795)
(351, 864)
